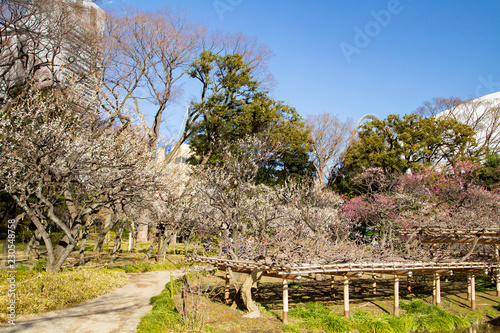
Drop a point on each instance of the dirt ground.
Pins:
(116, 312)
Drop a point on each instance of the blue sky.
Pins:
(360, 57)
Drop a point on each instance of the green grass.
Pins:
(318, 317)
(164, 316)
(38, 292)
(420, 316)
(430, 318)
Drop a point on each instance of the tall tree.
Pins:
(329, 138)
(232, 107)
(481, 114)
(61, 164)
(398, 144)
(147, 56)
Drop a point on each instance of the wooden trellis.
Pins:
(349, 270)
(489, 236)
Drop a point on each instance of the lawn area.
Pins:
(38, 292)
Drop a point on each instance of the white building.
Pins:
(51, 42)
(483, 115)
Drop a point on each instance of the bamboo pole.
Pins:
(438, 289)
(396, 295)
(469, 287)
(346, 296)
(226, 288)
(171, 284)
(374, 283)
(285, 301)
(473, 291)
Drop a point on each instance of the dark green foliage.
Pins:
(489, 173)
(398, 144)
(232, 107)
(40, 265)
(56, 237)
(484, 283)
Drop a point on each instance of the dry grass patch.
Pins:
(38, 292)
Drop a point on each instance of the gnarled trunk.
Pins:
(246, 294)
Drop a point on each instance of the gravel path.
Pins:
(116, 312)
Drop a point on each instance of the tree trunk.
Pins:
(41, 226)
(246, 294)
(108, 225)
(34, 243)
(166, 234)
(82, 246)
(151, 248)
(65, 247)
(142, 227)
(134, 236)
(118, 239)
(173, 240)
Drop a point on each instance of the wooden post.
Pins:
(226, 288)
(434, 293)
(438, 289)
(332, 286)
(374, 283)
(473, 291)
(285, 301)
(396, 295)
(498, 281)
(346, 296)
(469, 287)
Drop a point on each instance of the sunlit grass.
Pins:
(420, 316)
(38, 292)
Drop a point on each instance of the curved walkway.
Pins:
(116, 312)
